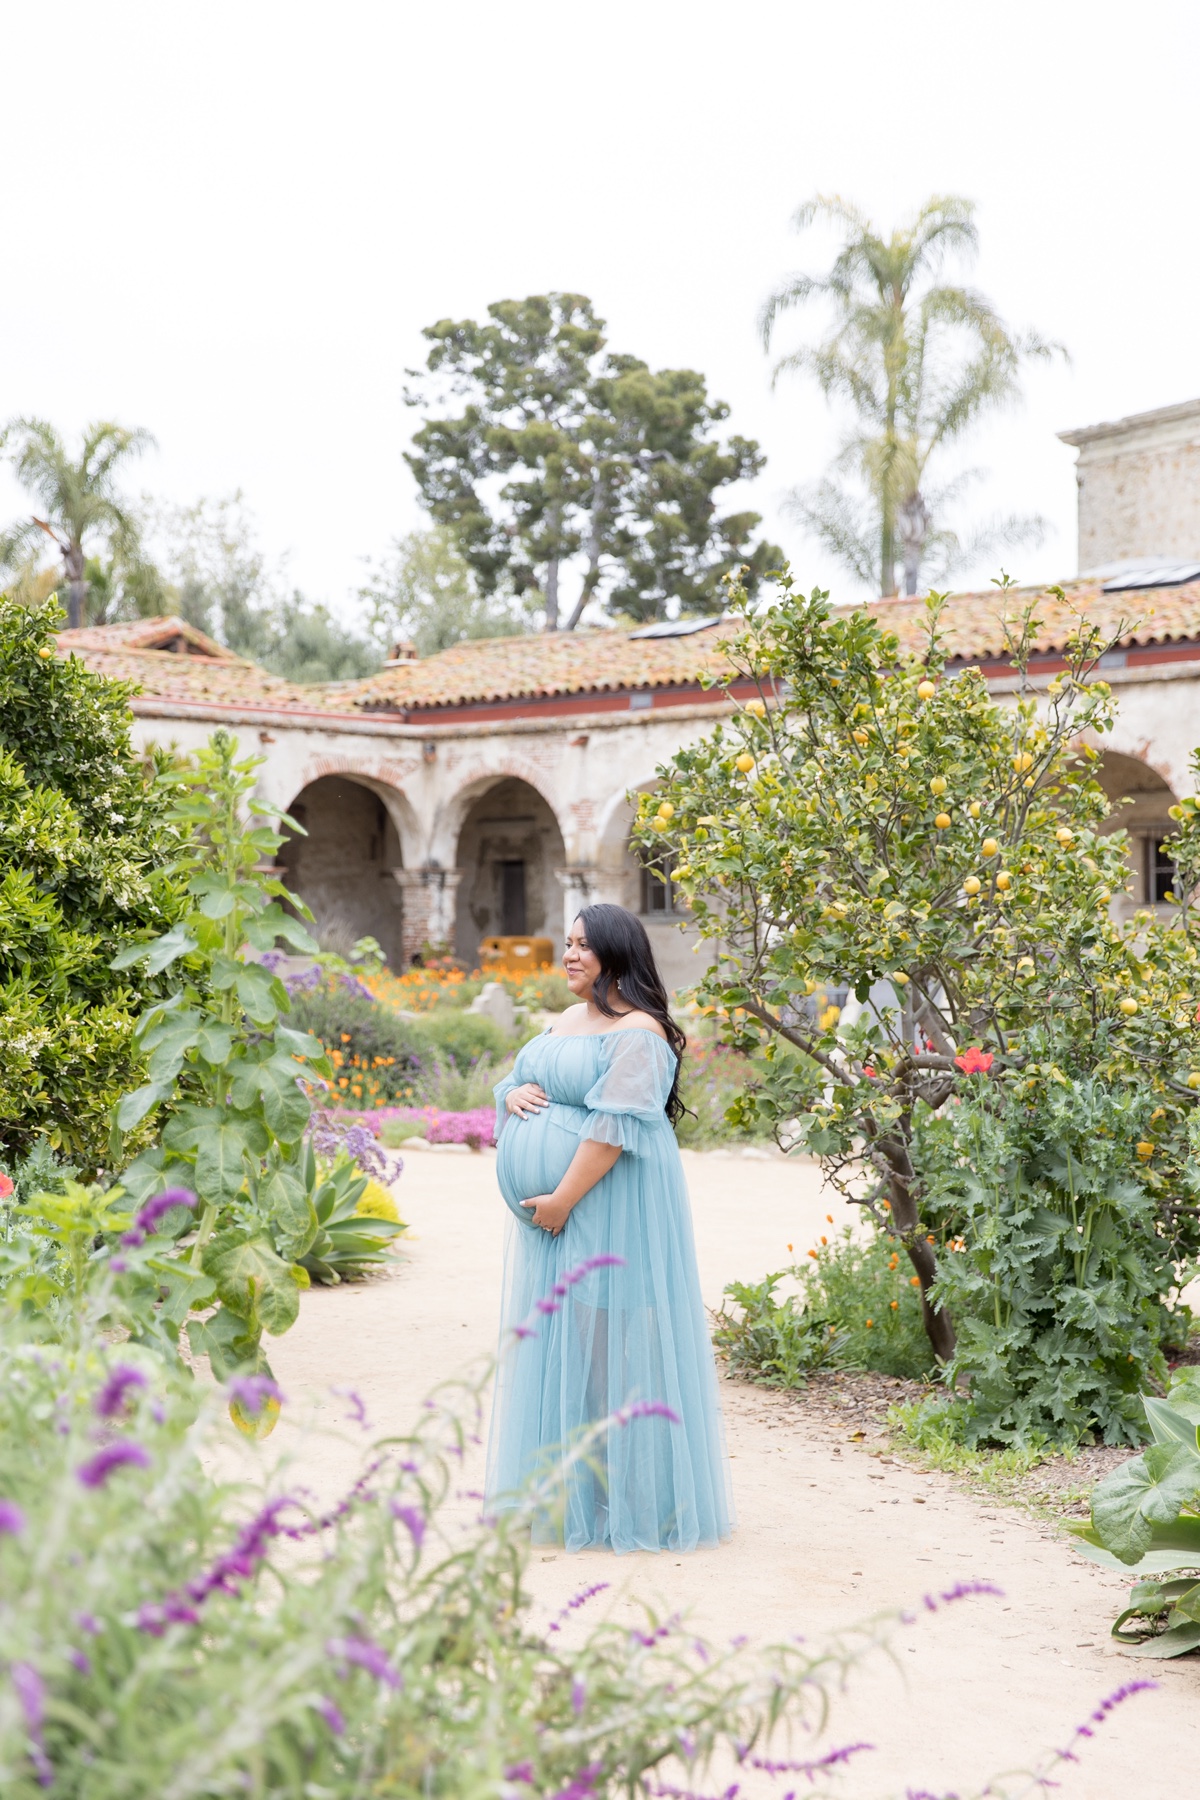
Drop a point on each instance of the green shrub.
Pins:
(85, 849)
(1061, 1286)
(381, 1056)
(166, 1634)
(856, 1309)
(460, 1038)
(713, 1079)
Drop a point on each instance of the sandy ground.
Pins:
(827, 1532)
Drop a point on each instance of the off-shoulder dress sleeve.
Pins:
(502, 1090)
(629, 1094)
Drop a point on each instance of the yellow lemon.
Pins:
(1004, 881)
(972, 885)
(1022, 762)
(862, 737)
(1128, 1006)
(975, 808)
(1064, 835)
(989, 847)
(1054, 688)
(1025, 965)
(942, 821)
(1194, 1079)
(901, 978)
(745, 762)
(658, 823)
(938, 785)
(45, 651)
(666, 810)
(926, 690)
(757, 707)
(1145, 1150)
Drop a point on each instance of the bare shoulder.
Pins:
(641, 1021)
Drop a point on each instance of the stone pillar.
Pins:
(430, 901)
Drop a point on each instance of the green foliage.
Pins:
(404, 1057)
(85, 845)
(1059, 1290)
(713, 1080)
(1146, 1516)
(558, 451)
(854, 1309)
(872, 822)
(219, 1640)
(230, 1070)
(425, 593)
(919, 361)
(346, 1243)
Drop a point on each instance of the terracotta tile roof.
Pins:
(575, 662)
(599, 662)
(170, 634)
(971, 624)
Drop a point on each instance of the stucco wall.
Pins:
(1139, 487)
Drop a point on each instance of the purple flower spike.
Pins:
(30, 1690)
(122, 1455)
(413, 1519)
(548, 1306)
(12, 1519)
(148, 1216)
(111, 1398)
(520, 1772)
(524, 1331)
(646, 1409)
(79, 1659)
(252, 1392)
(578, 1696)
(363, 1654)
(358, 1410)
(332, 1716)
(88, 1622)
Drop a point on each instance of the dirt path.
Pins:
(827, 1533)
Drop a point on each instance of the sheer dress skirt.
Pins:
(632, 1332)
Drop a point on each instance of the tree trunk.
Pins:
(939, 1327)
(76, 584)
(912, 520)
(591, 579)
(887, 558)
(551, 595)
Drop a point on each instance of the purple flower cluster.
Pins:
(148, 1216)
(30, 1690)
(112, 1397)
(645, 1409)
(253, 1392)
(576, 1601)
(225, 1575)
(582, 1785)
(962, 1590)
(1107, 1706)
(830, 1760)
(12, 1519)
(413, 1519)
(308, 981)
(123, 1454)
(361, 1653)
(552, 1302)
(332, 1132)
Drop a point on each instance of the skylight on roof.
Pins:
(669, 628)
(1150, 575)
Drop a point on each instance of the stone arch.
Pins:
(348, 866)
(1140, 797)
(508, 858)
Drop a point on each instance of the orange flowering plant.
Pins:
(877, 822)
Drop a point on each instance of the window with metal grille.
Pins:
(1160, 872)
(658, 890)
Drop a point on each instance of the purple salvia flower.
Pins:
(30, 1690)
(962, 1590)
(225, 1575)
(12, 1519)
(88, 1622)
(578, 1600)
(830, 1760)
(524, 1331)
(582, 1785)
(111, 1398)
(358, 1411)
(332, 1715)
(578, 1696)
(646, 1409)
(413, 1519)
(548, 1306)
(252, 1392)
(148, 1216)
(363, 1654)
(124, 1454)
(79, 1659)
(118, 1264)
(522, 1771)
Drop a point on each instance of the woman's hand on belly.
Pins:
(549, 1212)
(526, 1099)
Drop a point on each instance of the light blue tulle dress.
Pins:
(620, 1335)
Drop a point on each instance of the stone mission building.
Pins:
(485, 790)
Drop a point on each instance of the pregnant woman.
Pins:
(589, 1167)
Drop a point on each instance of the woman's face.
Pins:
(580, 963)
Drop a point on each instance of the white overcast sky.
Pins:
(229, 222)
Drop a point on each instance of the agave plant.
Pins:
(347, 1241)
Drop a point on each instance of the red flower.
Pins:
(6, 1186)
(974, 1062)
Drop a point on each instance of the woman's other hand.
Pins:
(549, 1212)
(526, 1099)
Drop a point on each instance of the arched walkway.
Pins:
(1140, 800)
(509, 847)
(346, 867)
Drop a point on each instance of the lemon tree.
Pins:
(877, 822)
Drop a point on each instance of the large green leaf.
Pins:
(1176, 1642)
(215, 1043)
(285, 1107)
(298, 1043)
(231, 1346)
(1169, 1425)
(252, 1280)
(221, 1140)
(186, 1288)
(159, 953)
(1148, 1490)
(290, 1213)
(260, 993)
(133, 1107)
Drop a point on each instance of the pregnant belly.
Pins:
(535, 1153)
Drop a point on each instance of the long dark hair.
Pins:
(618, 941)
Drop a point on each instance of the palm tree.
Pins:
(77, 497)
(919, 360)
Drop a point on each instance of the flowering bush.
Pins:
(476, 1127)
(714, 1079)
